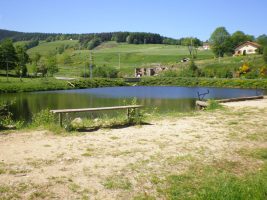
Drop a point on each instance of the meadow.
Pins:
(125, 57)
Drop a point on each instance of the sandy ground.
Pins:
(121, 163)
(260, 103)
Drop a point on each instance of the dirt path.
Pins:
(121, 163)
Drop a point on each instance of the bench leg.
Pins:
(128, 113)
(60, 119)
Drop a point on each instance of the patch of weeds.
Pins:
(232, 123)
(117, 182)
(78, 190)
(173, 160)
(40, 195)
(258, 153)
(89, 152)
(155, 179)
(114, 138)
(47, 145)
(233, 135)
(226, 165)
(259, 136)
(38, 163)
(213, 105)
(144, 197)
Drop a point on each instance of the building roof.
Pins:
(254, 44)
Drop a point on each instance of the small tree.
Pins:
(51, 64)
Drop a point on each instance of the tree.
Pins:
(239, 37)
(8, 56)
(23, 59)
(262, 40)
(36, 58)
(220, 41)
(51, 65)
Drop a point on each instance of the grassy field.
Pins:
(129, 56)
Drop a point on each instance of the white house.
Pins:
(246, 48)
(206, 46)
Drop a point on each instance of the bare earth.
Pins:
(121, 163)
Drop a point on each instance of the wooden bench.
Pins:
(128, 108)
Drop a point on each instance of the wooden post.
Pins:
(60, 119)
(128, 113)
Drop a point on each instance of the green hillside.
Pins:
(130, 56)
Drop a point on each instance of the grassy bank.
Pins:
(44, 84)
(205, 82)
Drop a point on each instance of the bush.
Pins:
(94, 43)
(43, 118)
(105, 72)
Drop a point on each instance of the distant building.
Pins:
(151, 71)
(206, 46)
(246, 48)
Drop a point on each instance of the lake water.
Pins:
(164, 99)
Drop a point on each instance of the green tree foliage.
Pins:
(105, 72)
(51, 65)
(94, 43)
(144, 38)
(262, 40)
(23, 59)
(8, 56)
(220, 41)
(36, 58)
(120, 36)
(192, 44)
(32, 43)
(239, 37)
(265, 54)
(170, 41)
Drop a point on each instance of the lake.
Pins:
(163, 99)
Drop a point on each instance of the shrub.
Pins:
(105, 72)
(5, 115)
(213, 105)
(94, 43)
(43, 118)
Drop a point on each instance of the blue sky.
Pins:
(172, 18)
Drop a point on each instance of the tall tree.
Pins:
(8, 55)
(239, 37)
(220, 41)
(23, 59)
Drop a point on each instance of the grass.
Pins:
(117, 182)
(131, 55)
(208, 183)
